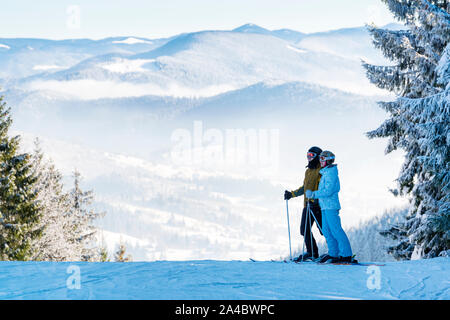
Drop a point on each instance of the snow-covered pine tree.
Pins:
(103, 250)
(81, 231)
(120, 255)
(68, 233)
(367, 241)
(19, 209)
(419, 120)
(103, 254)
(53, 245)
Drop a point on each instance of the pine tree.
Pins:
(53, 245)
(19, 209)
(103, 255)
(81, 231)
(419, 121)
(119, 256)
(67, 223)
(103, 251)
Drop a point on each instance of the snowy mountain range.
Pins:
(193, 64)
(23, 57)
(111, 107)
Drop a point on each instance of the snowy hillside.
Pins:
(215, 280)
(349, 43)
(23, 57)
(286, 34)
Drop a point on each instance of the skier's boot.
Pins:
(306, 257)
(301, 257)
(320, 258)
(333, 260)
(349, 259)
(325, 258)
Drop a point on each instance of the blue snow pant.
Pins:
(337, 241)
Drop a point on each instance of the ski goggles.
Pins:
(323, 158)
(311, 155)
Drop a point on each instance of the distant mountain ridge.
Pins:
(21, 57)
(198, 64)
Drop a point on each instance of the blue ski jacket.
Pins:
(328, 190)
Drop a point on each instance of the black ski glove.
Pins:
(287, 195)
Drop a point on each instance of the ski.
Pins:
(364, 264)
(290, 261)
(272, 260)
(285, 261)
(304, 261)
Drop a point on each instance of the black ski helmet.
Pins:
(314, 163)
(316, 150)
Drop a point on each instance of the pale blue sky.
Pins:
(154, 19)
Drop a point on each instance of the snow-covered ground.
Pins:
(223, 280)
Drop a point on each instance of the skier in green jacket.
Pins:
(310, 182)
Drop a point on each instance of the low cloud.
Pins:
(93, 89)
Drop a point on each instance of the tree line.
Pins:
(419, 122)
(39, 220)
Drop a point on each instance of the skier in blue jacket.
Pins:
(339, 249)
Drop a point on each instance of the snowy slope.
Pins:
(350, 43)
(211, 280)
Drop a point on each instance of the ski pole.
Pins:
(316, 221)
(304, 234)
(289, 229)
(310, 229)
